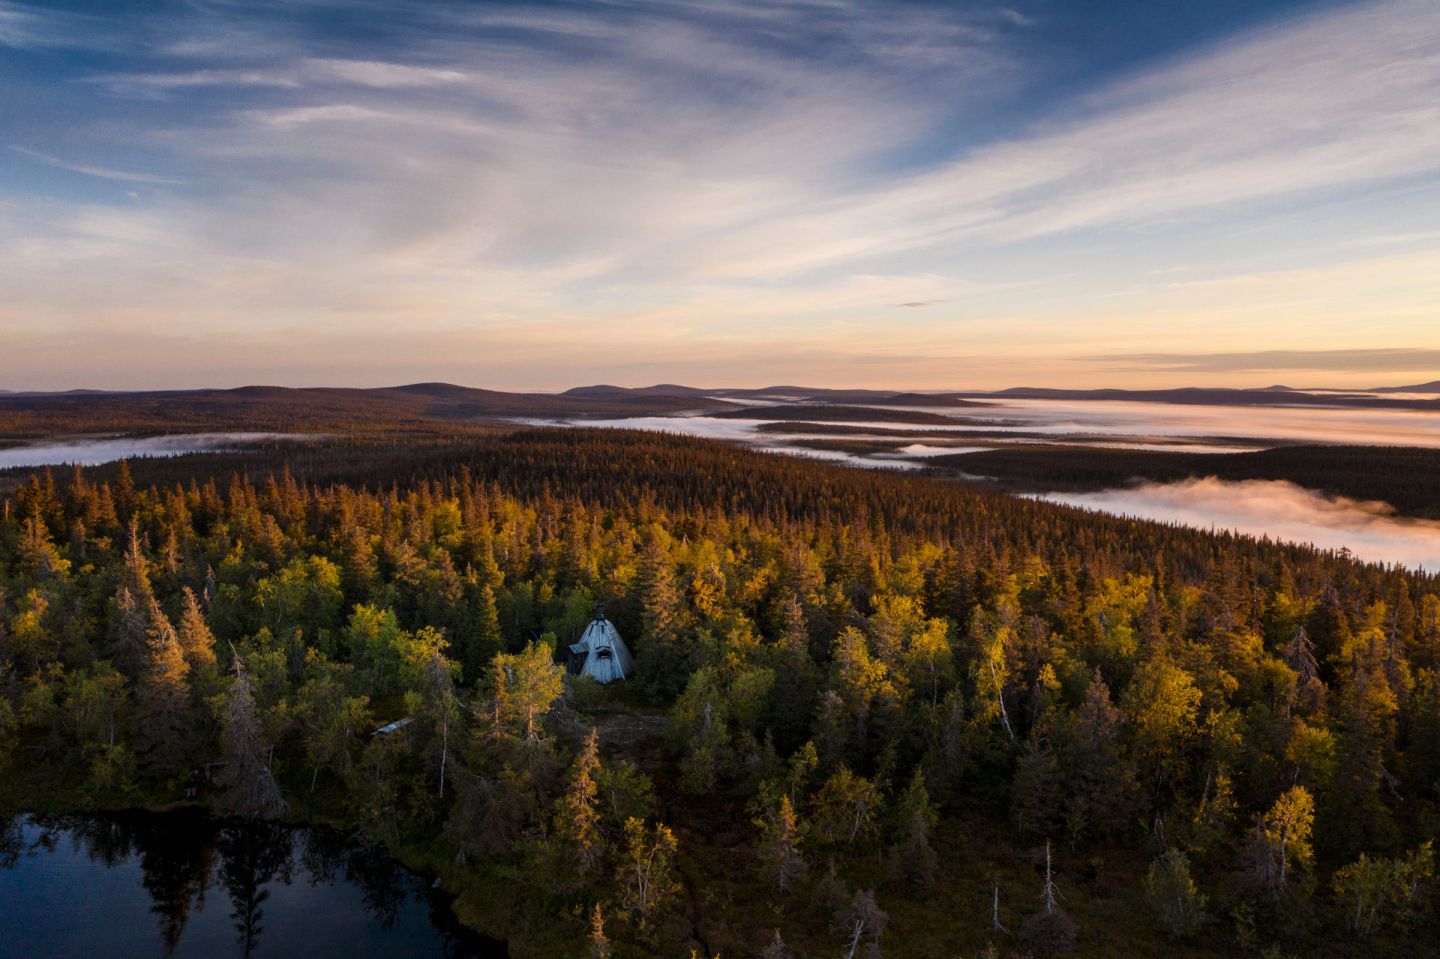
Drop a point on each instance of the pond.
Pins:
(184, 884)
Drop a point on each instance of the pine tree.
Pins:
(38, 555)
(1036, 792)
(1102, 781)
(916, 821)
(196, 639)
(577, 813)
(779, 847)
(488, 639)
(130, 620)
(661, 616)
(167, 721)
(599, 943)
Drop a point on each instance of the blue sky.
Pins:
(530, 195)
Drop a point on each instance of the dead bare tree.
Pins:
(864, 921)
(247, 786)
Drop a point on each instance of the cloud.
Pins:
(1401, 360)
(1279, 510)
(23, 26)
(1337, 99)
(375, 73)
(103, 173)
(747, 177)
(195, 78)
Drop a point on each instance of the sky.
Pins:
(831, 192)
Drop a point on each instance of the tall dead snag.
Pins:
(864, 922)
(247, 786)
(1049, 932)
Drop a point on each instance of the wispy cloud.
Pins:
(103, 173)
(22, 26)
(1403, 360)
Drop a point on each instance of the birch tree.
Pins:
(647, 880)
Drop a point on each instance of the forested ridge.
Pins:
(874, 714)
(1401, 476)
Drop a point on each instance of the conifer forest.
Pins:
(871, 714)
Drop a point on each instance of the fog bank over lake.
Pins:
(93, 452)
(1123, 424)
(1279, 510)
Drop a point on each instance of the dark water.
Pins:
(182, 884)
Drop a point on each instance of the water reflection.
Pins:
(182, 884)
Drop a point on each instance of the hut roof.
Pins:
(601, 654)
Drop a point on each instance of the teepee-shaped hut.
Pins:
(601, 653)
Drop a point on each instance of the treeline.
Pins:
(884, 697)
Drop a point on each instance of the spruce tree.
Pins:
(166, 733)
(577, 813)
(779, 849)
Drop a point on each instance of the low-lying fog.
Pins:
(1279, 510)
(1110, 423)
(93, 452)
(1306, 424)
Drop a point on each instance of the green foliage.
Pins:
(648, 881)
(1379, 892)
(1178, 906)
(525, 685)
(915, 821)
(9, 735)
(1280, 853)
(577, 812)
(778, 848)
(846, 807)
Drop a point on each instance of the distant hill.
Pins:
(424, 406)
(622, 392)
(280, 408)
(1217, 396)
(822, 412)
(1432, 387)
(809, 394)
